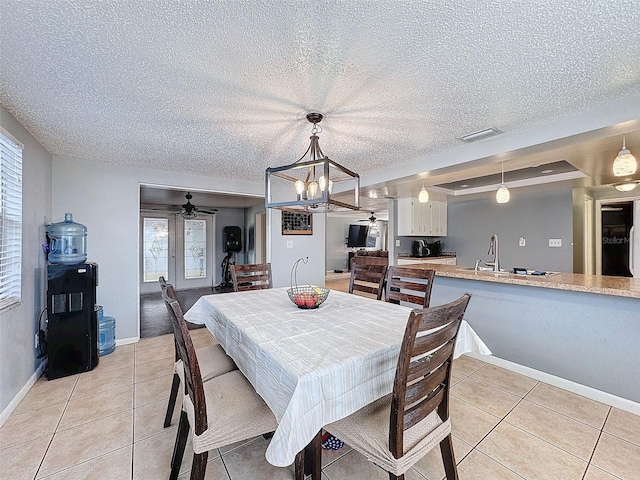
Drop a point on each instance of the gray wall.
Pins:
(558, 332)
(535, 216)
(18, 325)
(106, 197)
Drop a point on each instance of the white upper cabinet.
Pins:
(421, 219)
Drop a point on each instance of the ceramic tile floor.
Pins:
(107, 424)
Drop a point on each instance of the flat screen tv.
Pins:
(357, 236)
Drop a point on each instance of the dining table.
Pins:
(312, 366)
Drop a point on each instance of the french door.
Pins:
(179, 249)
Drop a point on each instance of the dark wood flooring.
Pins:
(154, 318)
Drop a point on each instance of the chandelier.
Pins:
(314, 183)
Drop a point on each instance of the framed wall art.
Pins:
(296, 223)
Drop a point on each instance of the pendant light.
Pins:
(625, 163)
(307, 184)
(503, 195)
(423, 196)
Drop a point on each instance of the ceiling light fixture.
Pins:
(479, 135)
(625, 163)
(626, 186)
(423, 196)
(308, 184)
(502, 194)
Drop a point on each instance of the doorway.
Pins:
(617, 220)
(179, 249)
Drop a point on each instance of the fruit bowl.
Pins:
(308, 297)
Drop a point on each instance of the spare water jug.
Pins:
(67, 242)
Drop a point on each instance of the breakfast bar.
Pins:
(581, 328)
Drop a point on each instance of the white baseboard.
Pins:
(126, 341)
(589, 392)
(21, 394)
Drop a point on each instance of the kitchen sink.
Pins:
(503, 271)
(484, 269)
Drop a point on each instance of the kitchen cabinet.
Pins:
(421, 219)
(436, 260)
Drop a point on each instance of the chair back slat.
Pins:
(430, 342)
(254, 276)
(367, 277)
(412, 404)
(187, 353)
(423, 387)
(425, 365)
(409, 285)
(418, 412)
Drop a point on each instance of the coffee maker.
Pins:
(420, 248)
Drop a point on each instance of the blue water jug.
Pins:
(106, 335)
(67, 242)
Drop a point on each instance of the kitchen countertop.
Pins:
(576, 282)
(410, 257)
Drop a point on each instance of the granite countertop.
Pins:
(576, 282)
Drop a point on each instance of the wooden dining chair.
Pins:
(397, 430)
(255, 276)
(409, 286)
(223, 410)
(213, 360)
(368, 275)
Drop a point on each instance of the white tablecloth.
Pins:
(312, 367)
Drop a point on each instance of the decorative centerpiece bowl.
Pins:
(307, 296)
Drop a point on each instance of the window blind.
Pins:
(10, 221)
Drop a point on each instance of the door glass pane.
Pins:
(156, 249)
(195, 248)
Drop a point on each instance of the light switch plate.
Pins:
(289, 243)
(397, 243)
(555, 242)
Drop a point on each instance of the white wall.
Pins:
(283, 258)
(19, 325)
(105, 198)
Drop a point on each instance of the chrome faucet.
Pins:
(493, 250)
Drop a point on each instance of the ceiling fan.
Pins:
(189, 210)
(372, 220)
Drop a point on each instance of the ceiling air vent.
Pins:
(479, 135)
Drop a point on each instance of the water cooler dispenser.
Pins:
(72, 333)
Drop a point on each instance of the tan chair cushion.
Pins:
(367, 431)
(235, 412)
(213, 361)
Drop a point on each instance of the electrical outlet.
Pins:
(397, 243)
(522, 242)
(289, 243)
(555, 242)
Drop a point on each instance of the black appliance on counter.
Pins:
(72, 334)
(423, 249)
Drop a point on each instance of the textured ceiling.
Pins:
(222, 88)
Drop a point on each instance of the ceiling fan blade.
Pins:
(208, 211)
